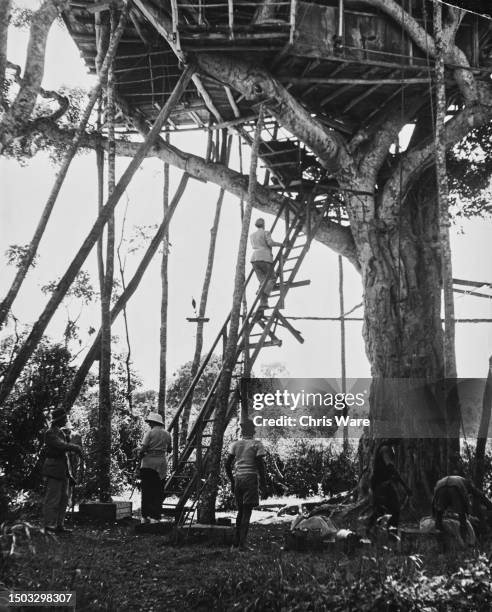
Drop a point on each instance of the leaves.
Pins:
(17, 254)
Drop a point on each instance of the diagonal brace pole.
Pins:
(40, 326)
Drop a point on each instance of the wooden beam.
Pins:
(232, 102)
(209, 103)
(363, 96)
(470, 283)
(98, 7)
(473, 293)
(352, 82)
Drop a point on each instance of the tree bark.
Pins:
(401, 273)
(21, 109)
(209, 495)
(483, 430)
(161, 405)
(226, 147)
(39, 327)
(5, 8)
(60, 177)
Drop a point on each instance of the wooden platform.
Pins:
(111, 511)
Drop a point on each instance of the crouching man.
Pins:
(451, 494)
(246, 455)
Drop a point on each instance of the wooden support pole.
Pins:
(293, 14)
(175, 24)
(230, 10)
(442, 195)
(342, 343)
(62, 173)
(39, 327)
(128, 292)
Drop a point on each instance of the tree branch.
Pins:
(49, 94)
(421, 156)
(336, 237)
(24, 103)
(5, 9)
(257, 85)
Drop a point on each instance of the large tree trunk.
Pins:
(401, 273)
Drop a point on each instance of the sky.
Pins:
(23, 196)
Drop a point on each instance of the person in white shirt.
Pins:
(246, 455)
(262, 260)
(153, 467)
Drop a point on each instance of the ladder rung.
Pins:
(289, 286)
(265, 344)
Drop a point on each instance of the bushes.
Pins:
(307, 469)
(24, 414)
(311, 469)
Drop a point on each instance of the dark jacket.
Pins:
(55, 453)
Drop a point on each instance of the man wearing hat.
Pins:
(56, 471)
(153, 467)
(246, 455)
(262, 260)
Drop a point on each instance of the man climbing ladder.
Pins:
(262, 260)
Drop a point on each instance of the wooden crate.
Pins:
(110, 511)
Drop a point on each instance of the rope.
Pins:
(482, 15)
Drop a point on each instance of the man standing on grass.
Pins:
(56, 470)
(246, 455)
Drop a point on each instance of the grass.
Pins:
(112, 569)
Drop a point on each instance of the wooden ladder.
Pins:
(258, 331)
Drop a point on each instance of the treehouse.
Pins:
(344, 60)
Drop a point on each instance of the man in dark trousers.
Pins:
(384, 481)
(451, 493)
(56, 471)
(246, 455)
(262, 260)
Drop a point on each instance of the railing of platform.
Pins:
(272, 13)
